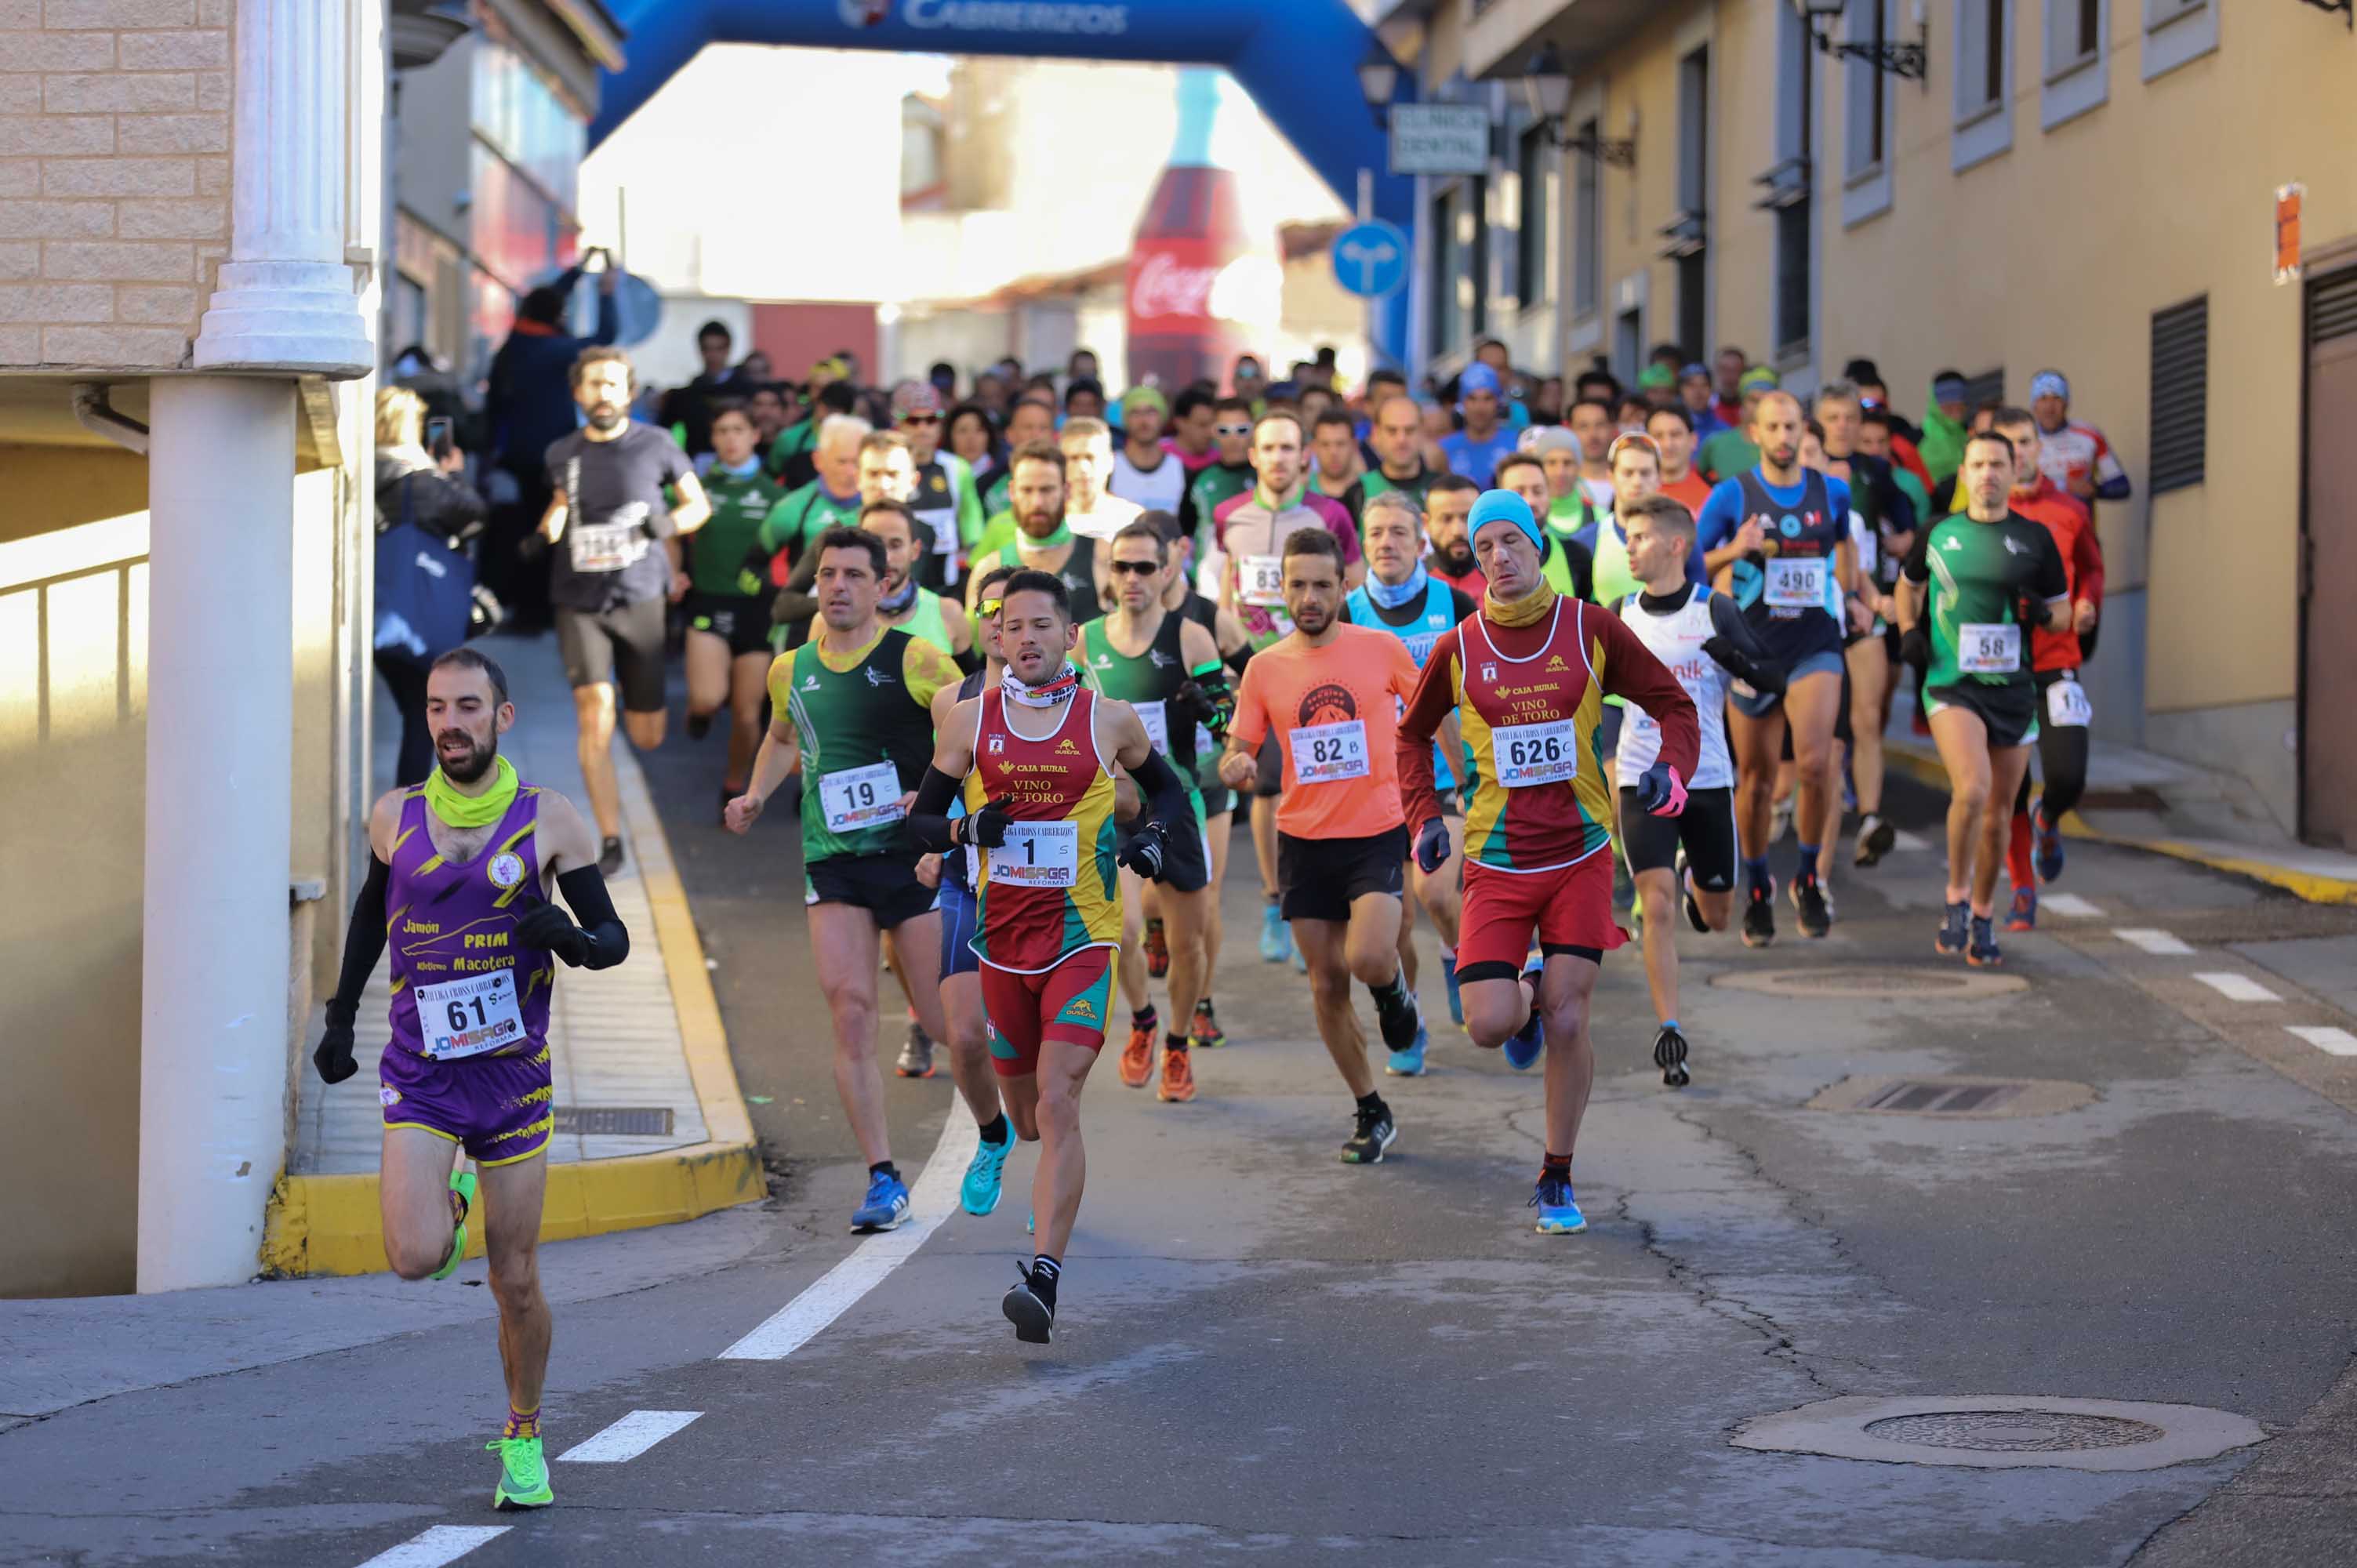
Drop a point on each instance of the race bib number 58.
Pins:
(1985, 648)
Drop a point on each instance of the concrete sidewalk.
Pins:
(2139, 799)
(650, 1125)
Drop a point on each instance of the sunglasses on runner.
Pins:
(921, 419)
(1136, 568)
(987, 608)
(1231, 430)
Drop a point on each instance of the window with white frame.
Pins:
(1870, 97)
(2077, 77)
(1983, 67)
(2175, 31)
(1587, 227)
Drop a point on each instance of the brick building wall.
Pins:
(114, 177)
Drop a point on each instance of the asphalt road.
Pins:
(1270, 1355)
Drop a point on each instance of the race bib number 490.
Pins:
(860, 797)
(1796, 584)
(1536, 753)
(470, 1018)
(1260, 579)
(1037, 854)
(1985, 648)
(1327, 754)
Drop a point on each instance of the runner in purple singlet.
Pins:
(458, 887)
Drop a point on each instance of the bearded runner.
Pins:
(1527, 679)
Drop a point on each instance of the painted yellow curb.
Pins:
(330, 1225)
(2312, 886)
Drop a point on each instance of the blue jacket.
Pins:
(530, 400)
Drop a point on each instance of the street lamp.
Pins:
(1378, 80)
(1546, 90)
(1818, 18)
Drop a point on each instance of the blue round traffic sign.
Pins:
(1370, 259)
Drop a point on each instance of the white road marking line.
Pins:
(1902, 839)
(628, 1437)
(2153, 942)
(2325, 1038)
(2236, 987)
(2068, 904)
(930, 1201)
(442, 1543)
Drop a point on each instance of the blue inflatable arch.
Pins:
(1297, 58)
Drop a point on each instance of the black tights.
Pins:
(407, 679)
(2062, 757)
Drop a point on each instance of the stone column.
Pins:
(286, 299)
(221, 704)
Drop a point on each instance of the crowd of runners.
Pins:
(1539, 670)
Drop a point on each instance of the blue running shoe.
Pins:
(1274, 940)
(1409, 1063)
(1527, 1044)
(1300, 964)
(979, 1192)
(1954, 935)
(1455, 1003)
(1559, 1212)
(886, 1206)
(1031, 1223)
(2048, 844)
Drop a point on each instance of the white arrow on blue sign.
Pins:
(1370, 259)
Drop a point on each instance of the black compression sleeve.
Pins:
(1240, 658)
(363, 944)
(1164, 791)
(928, 816)
(583, 887)
(969, 661)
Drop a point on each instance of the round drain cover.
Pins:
(2013, 1431)
(1997, 1432)
(1865, 983)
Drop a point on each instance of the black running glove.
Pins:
(2033, 611)
(334, 1057)
(987, 827)
(550, 928)
(1743, 666)
(1431, 846)
(1190, 702)
(1915, 651)
(1145, 851)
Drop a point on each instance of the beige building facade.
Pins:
(2083, 185)
(189, 232)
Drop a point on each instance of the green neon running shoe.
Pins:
(523, 1474)
(463, 1184)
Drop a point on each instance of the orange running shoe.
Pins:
(1178, 1078)
(1137, 1057)
(1204, 1029)
(1157, 951)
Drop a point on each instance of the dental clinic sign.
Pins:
(1065, 17)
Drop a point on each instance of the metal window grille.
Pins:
(2180, 395)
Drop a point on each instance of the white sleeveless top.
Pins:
(1676, 641)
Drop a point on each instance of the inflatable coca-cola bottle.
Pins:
(1192, 231)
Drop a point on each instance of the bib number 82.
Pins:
(1332, 748)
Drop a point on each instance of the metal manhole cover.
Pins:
(2014, 1431)
(1998, 1432)
(1865, 982)
(1966, 1097)
(614, 1120)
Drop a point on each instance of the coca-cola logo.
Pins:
(1164, 285)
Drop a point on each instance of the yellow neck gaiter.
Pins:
(1528, 610)
(472, 810)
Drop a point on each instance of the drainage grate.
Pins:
(1865, 982)
(2014, 1431)
(623, 1121)
(1954, 1097)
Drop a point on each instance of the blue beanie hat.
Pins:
(1505, 506)
(1477, 377)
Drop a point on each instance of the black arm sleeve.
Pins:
(1917, 568)
(970, 660)
(929, 822)
(1239, 658)
(1164, 791)
(1750, 662)
(363, 945)
(583, 887)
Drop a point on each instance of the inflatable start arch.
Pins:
(1298, 59)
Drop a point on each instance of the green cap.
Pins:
(1657, 376)
(1145, 397)
(1759, 378)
